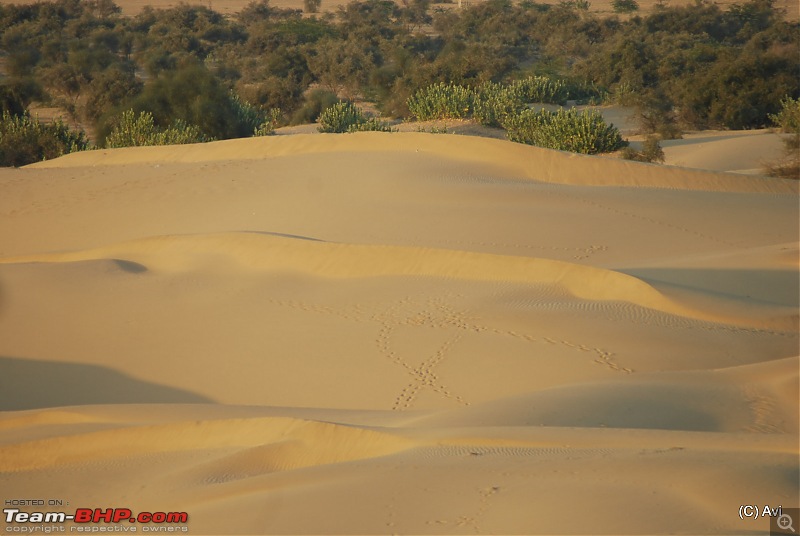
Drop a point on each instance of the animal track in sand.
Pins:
(477, 451)
(578, 253)
(437, 313)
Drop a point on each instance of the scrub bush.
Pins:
(346, 117)
(565, 130)
(25, 140)
(131, 130)
(441, 101)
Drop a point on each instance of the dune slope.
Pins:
(405, 333)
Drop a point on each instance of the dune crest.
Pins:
(522, 161)
(283, 443)
(273, 253)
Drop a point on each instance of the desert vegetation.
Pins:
(683, 67)
(788, 122)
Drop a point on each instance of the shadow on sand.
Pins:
(35, 384)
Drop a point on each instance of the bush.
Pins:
(247, 114)
(441, 101)
(267, 128)
(370, 124)
(566, 130)
(339, 117)
(541, 89)
(625, 6)
(311, 6)
(788, 119)
(317, 101)
(131, 130)
(193, 95)
(346, 117)
(494, 103)
(651, 151)
(24, 140)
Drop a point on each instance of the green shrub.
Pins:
(311, 6)
(441, 101)
(625, 6)
(346, 117)
(195, 96)
(651, 151)
(370, 124)
(788, 119)
(565, 130)
(131, 130)
(267, 128)
(316, 101)
(493, 103)
(339, 117)
(246, 114)
(24, 140)
(541, 89)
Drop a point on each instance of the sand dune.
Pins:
(405, 333)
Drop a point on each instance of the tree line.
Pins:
(683, 67)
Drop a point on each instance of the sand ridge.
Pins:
(273, 253)
(521, 160)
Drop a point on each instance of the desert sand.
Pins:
(400, 333)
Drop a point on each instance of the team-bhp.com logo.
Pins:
(94, 516)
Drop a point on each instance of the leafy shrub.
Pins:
(311, 6)
(441, 101)
(131, 130)
(651, 151)
(788, 118)
(267, 128)
(370, 124)
(192, 94)
(316, 101)
(339, 117)
(24, 140)
(624, 6)
(247, 114)
(541, 89)
(565, 130)
(346, 117)
(493, 103)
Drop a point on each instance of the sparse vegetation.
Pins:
(25, 140)
(132, 130)
(693, 66)
(651, 151)
(441, 101)
(346, 117)
(565, 130)
(788, 121)
(625, 6)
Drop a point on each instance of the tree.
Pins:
(311, 6)
(132, 130)
(25, 140)
(625, 6)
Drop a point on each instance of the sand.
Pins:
(400, 333)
